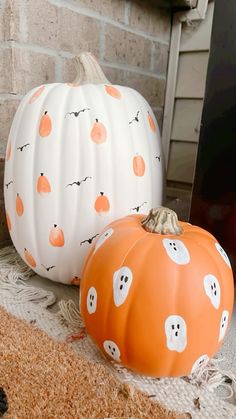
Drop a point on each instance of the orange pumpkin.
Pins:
(98, 133)
(8, 221)
(45, 125)
(157, 294)
(56, 236)
(8, 151)
(75, 281)
(43, 185)
(36, 94)
(19, 205)
(102, 203)
(138, 165)
(151, 122)
(113, 91)
(29, 258)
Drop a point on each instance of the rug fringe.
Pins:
(211, 376)
(13, 274)
(69, 312)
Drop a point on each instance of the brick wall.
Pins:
(39, 38)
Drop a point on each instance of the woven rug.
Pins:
(43, 378)
(193, 396)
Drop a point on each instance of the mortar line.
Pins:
(88, 12)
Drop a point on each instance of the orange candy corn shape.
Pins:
(19, 205)
(102, 203)
(138, 165)
(151, 122)
(29, 258)
(45, 126)
(8, 151)
(43, 185)
(36, 94)
(98, 132)
(56, 236)
(8, 221)
(113, 91)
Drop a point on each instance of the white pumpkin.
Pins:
(79, 156)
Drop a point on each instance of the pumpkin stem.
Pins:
(162, 221)
(88, 70)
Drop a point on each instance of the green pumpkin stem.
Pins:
(162, 221)
(88, 70)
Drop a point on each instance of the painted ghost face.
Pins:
(176, 333)
(223, 324)
(92, 300)
(223, 254)
(177, 251)
(103, 238)
(212, 289)
(200, 362)
(122, 280)
(112, 349)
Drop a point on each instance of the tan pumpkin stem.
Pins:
(162, 221)
(88, 70)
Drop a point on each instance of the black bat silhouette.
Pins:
(135, 118)
(8, 184)
(89, 240)
(158, 157)
(78, 183)
(48, 269)
(138, 207)
(22, 146)
(77, 113)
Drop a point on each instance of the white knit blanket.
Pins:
(197, 395)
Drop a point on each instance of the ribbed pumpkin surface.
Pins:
(78, 157)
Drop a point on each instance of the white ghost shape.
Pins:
(176, 333)
(122, 280)
(212, 289)
(177, 251)
(223, 324)
(92, 300)
(104, 236)
(223, 254)
(200, 362)
(112, 349)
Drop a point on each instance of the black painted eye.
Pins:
(126, 278)
(122, 277)
(172, 326)
(109, 346)
(178, 326)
